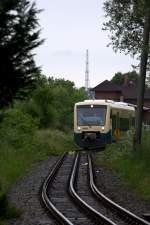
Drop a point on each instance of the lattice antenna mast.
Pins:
(87, 72)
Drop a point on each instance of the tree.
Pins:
(51, 103)
(129, 24)
(143, 68)
(118, 78)
(125, 22)
(19, 35)
(65, 96)
(148, 80)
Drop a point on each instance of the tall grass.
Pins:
(15, 163)
(133, 167)
(43, 144)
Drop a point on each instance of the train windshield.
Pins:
(91, 115)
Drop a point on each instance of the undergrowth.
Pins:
(34, 128)
(22, 146)
(14, 164)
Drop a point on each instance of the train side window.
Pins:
(133, 122)
(117, 120)
(124, 124)
(113, 117)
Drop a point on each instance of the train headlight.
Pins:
(79, 128)
(103, 128)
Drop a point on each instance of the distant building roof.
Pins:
(107, 86)
(129, 91)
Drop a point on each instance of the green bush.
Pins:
(52, 103)
(3, 204)
(40, 106)
(16, 128)
(6, 210)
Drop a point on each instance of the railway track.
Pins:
(71, 195)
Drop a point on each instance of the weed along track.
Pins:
(71, 195)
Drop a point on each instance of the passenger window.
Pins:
(115, 121)
(124, 124)
(133, 122)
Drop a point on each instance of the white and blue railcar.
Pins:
(98, 122)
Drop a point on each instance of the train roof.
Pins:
(111, 103)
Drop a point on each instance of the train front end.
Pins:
(91, 124)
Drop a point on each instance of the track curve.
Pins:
(72, 197)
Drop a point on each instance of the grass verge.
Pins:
(15, 161)
(133, 167)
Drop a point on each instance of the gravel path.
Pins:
(25, 194)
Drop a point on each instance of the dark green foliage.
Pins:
(148, 81)
(22, 143)
(52, 103)
(65, 96)
(126, 23)
(3, 203)
(6, 210)
(19, 35)
(40, 106)
(132, 75)
(119, 77)
(16, 128)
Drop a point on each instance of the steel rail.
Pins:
(122, 211)
(94, 213)
(61, 219)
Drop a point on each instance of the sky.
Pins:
(69, 27)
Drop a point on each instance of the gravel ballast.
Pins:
(110, 184)
(25, 194)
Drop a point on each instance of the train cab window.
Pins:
(94, 115)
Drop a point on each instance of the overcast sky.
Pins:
(69, 28)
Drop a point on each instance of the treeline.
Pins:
(50, 104)
(119, 78)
